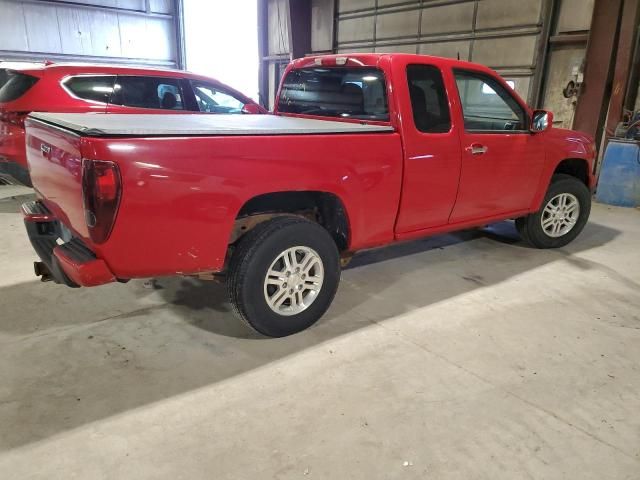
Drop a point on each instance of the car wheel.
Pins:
(564, 213)
(283, 275)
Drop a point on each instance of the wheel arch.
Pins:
(325, 208)
(575, 167)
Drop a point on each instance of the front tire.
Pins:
(562, 216)
(283, 276)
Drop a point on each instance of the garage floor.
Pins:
(463, 356)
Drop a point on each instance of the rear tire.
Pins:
(562, 216)
(283, 276)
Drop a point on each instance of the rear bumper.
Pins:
(71, 263)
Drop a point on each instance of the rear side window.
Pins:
(428, 99)
(4, 76)
(16, 85)
(148, 92)
(97, 89)
(347, 92)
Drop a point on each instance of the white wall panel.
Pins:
(13, 29)
(397, 24)
(278, 27)
(96, 29)
(43, 33)
(161, 6)
(351, 5)
(322, 25)
(505, 52)
(508, 13)
(142, 37)
(356, 29)
(397, 49)
(447, 49)
(575, 15)
(456, 17)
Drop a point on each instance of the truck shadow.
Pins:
(420, 272)
(73, 357)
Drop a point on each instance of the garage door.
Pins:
(503, 34)
(126, 31)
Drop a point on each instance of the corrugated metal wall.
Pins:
(503, 34)
(126, 31)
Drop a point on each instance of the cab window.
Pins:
(488, 106)
(429, 101)
(148, 92)
(211, 99)
(344, 92)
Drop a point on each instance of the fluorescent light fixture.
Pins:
(369, 78)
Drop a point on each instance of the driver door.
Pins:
(501, 160)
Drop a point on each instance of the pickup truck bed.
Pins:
(185, 178)
(121, 125)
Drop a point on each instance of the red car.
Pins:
(104, 89)
(364, 150)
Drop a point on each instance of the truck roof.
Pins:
(372, 59)
(144, 125)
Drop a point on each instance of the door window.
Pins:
(487, 105)
(428, 99)
(97, 89)
(211, 99)
(148, 92)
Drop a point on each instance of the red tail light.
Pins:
(14, 118)
(101, 191)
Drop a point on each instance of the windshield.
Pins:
(345, 92)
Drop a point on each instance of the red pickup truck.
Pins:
(363, 150)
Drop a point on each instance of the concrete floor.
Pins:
(465, 356)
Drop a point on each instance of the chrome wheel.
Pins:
(560, 215)
(293, 280)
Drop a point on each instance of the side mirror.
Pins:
(541, 120)
(251, 109)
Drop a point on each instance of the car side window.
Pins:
(211, 99)
(429, 101)
(148, 92)
(487, 106)
(94, 88)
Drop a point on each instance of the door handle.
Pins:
(45, 149)
(476, 149)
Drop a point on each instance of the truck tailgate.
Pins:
(55, 162)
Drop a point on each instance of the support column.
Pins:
(263, 52)
(592, 102)
(624, 58)
(299, 28)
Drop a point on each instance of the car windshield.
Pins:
(345, 92)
